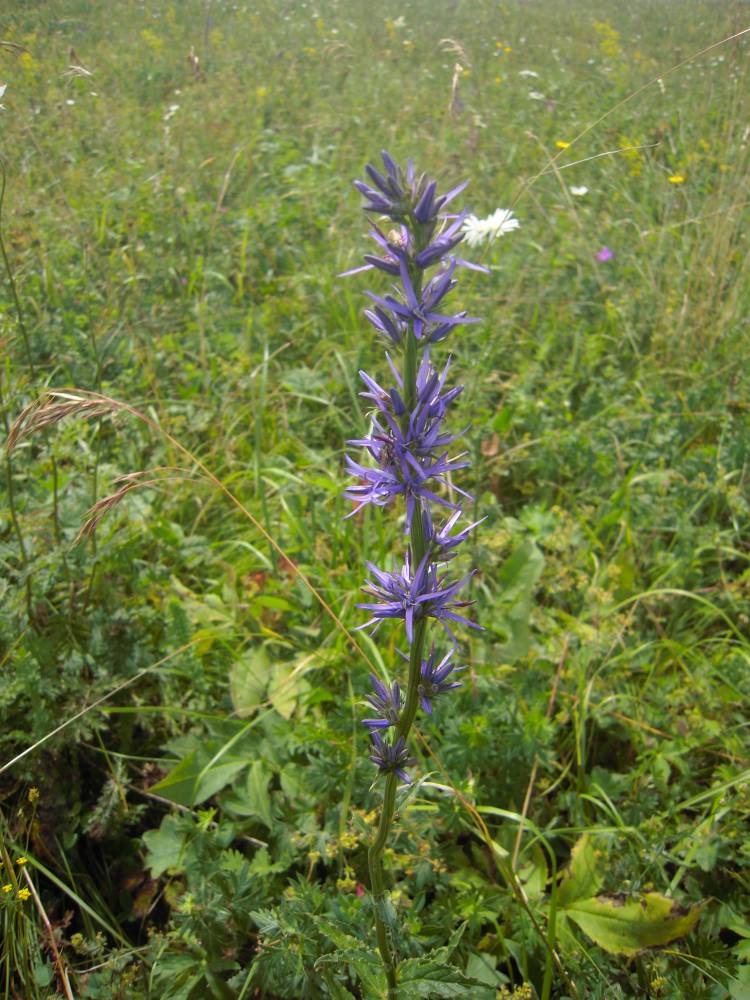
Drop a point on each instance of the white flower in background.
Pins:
(3, 88)
(535, 95)
(528, 72)
(171, 112)
(478, 231)
(579, 192)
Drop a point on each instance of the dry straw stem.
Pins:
(125, 484)
(61, 970)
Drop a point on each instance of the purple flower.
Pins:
(391, 757)
(604, 255)
(440, 543)
(415, 596)
(403, 196)
(435, 678)
(408, 450)
(426, 324)
(386, 702)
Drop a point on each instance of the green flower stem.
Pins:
(375, 858)
(375, 854)
(406, 719)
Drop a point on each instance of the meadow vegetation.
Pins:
(185, 796)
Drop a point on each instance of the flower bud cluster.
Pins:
(408, 449)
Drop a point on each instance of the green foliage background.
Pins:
(174, 231)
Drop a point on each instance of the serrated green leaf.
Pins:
(627, 926)
(248, 679)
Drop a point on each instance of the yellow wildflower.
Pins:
(508, 48)
(22, 860)
(562, 144)
(676, 179)
(23, 894)
(33, 794)
(498, 79)
(261, 92)
(8, 888)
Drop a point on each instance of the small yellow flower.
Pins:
(676, 179)
(22, 860)
(33, 794)
(562, 144)
(508, 48)
(23, 894)
(261, 92)
(498, 79)
(8, 888)
(498, 45)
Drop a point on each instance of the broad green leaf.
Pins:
(257, 794)
(582, 879)
(739, 988)
(515, 585)
(42, 974)
(287, 684)
(425, 979)
(189, 784)
(166, 846)
(626, 926)
(482, 967)
(247, 681)
(534, 873)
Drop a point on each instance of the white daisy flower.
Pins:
(579, 192)
(535, 95)
(478, 231)
(528, 72)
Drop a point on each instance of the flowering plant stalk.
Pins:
(409, 459)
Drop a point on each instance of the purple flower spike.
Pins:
(391, 757)
(434, 678)
(407, 454)
(413, 597)
(386, 702)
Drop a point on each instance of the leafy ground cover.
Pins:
(185, 794)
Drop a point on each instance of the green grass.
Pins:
(174, 239)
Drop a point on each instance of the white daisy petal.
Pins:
(477, 231)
